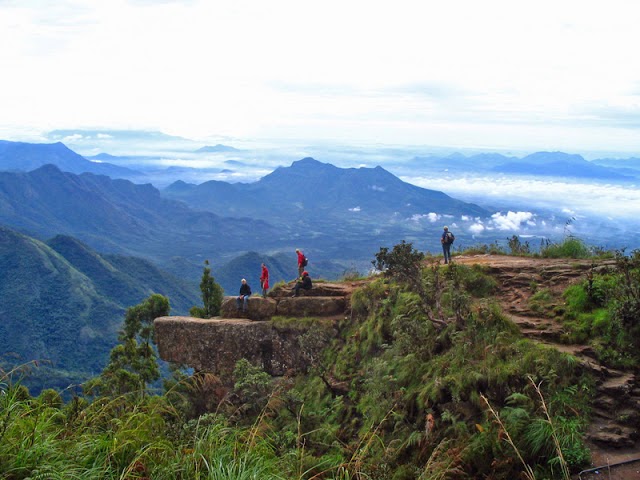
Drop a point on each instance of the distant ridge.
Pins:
(120, 216)
(559, 164)
(25, 157)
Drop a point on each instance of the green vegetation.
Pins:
(63, 303)
(484, 249)
(212, 296)
(570, 247)
(426, 380)
(133, 364)
(604, 310)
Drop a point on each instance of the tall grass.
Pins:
(570, 247)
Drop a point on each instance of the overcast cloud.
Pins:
(542, 75)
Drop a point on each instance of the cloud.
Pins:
(543, 95)
(476, 228)
(433, 217)
(72, 138)
(512, 220)
(564, 197)
(355, 209)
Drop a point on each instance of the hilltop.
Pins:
(529, 291)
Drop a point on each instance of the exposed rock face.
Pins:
(265, 308)
(215, 345)
(258, 308)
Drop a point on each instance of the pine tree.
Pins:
(212, 296)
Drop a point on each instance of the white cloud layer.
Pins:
(571, 198)
(496, 73)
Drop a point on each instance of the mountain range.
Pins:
(121, 217)
(559, 164)
(312, 191)
(63, 303)
(548, 164)
(339, 216)
(24, 157)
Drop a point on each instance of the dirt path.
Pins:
(530, 292)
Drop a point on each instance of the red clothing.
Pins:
(300, 258)
(264, 278)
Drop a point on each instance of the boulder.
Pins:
(319, 289)
(215, 345)
(258, 309)
(310, 306)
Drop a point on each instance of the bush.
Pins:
(570, 247)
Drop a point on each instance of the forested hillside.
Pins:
(62, 304)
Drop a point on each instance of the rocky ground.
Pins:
(613, 434)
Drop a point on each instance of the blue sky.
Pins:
(543, 75)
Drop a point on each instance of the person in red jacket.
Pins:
(264, 280)
(302, 262)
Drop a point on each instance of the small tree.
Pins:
(404, 264)
(133, 363)
(212, 296)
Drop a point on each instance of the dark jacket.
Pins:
(306, 282)
(245, 289)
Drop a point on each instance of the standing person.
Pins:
(446, 240)
(243, 298)
(302, 262)
(304, 283)
(264, 280)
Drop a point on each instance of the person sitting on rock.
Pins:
(304, 283)
(243, 298)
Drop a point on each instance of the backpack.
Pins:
(450, 237)
(305, 262)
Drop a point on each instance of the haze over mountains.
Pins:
(330, 211)
(83, 240)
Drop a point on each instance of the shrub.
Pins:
(570, 247)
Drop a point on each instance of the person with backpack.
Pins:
(304, 283)
(446, 240)
(264, 280)
(302, 262)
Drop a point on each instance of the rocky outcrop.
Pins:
(215, 345)
(258, 308)
(266, 308)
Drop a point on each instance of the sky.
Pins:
(526, 75)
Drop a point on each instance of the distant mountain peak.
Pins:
(310, 163)
(218, 148)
